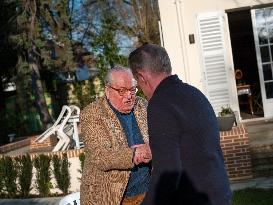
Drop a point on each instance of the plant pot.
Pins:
(226, 122)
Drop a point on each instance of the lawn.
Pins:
(253, 196)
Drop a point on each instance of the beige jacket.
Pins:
(108, 158)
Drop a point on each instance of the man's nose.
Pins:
(128, 94)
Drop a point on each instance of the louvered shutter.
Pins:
(211, 38)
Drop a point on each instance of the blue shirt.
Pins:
(140, 177)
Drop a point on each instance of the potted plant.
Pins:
(226, 118)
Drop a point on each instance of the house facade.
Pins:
(224, 48)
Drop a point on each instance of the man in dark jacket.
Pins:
(188, 165)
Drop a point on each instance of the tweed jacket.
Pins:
(108, 159)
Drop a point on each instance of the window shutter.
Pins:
(211, 38)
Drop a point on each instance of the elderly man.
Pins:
(188, 165)
(116, 169)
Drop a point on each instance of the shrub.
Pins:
(43, 174)
(24, 174)
(1, 177)
(82, 158)
(61, 172)
(9, 175)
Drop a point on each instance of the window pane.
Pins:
(260, 17)
(271, 48)
(269, 90)
(270, 31)
(267, 72)
(265, 54)
(263, 36)
(269, 16)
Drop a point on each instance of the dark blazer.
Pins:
(188, 165)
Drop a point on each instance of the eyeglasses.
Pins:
(123, 91)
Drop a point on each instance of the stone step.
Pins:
(266, 148)
(262, 172)
(262, 164)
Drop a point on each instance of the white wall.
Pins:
(175, 14)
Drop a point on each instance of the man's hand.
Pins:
(142, 154)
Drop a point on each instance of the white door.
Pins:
(216, 55)
(263, 33)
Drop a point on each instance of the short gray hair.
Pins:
(108, 76)
(150, 57)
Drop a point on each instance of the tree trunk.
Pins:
(24, 103)
(39, 95)
(3, 122)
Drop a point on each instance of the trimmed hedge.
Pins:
(16, 175)
(61, 172)
(43, 175)
(25, 168)
(8, 174)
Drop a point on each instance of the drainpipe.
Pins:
(178, 5)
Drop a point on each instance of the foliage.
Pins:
(43, 174)
(104, 43)
(139, 19)
(9, 174)
(44, 30)
(43, 39)
(25, 167)
(85, 92)
(61, 172)
(253, 196)
(81, 158)
(225, 110)
(8, 59)
(1, 176)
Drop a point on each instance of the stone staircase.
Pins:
(262, 160)
(260, 135)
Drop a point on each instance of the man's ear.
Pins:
(141, 75)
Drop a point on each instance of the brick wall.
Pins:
(46, 146)
(236, 150)
(16, 145)
(70, 153)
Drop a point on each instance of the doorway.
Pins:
(245, 64)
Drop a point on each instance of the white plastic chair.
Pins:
(74, 119)
(65, 128)
(71, 199)
(64, 140)
(58, 129)
(54, 127)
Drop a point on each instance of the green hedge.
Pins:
(61, 172)
(16, 175)
(25, 168)
(8, 169)
(43, 174)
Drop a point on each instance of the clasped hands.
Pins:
(142, 153)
